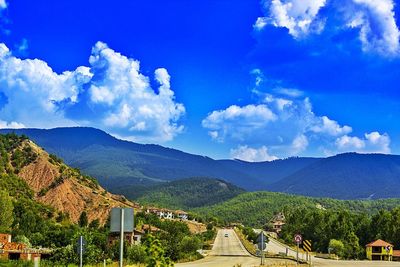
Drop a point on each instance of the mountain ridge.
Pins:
(118, 163)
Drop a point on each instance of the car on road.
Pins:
(226, 235)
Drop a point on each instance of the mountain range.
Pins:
(119, 164)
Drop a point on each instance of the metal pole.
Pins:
(80, 251)
(262, 248)
(121, 247)
(297, 254)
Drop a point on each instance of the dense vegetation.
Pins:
(257, 208)
(346, 233)
(183, 194)
(38, 225)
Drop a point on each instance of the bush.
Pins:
(136, 254)
(337, 247)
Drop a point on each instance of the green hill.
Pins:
(183, 194)
(257, 208)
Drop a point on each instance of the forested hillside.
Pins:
(118, 163)
(121, 164)
(34, 185)
(257, 208)
(183, 194)
(346, 176)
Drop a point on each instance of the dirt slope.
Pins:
(67, 190)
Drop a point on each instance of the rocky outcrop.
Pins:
(67, 190)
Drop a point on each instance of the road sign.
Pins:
(307, 245)
(261, 237)
(116, 220)
(262, 246)
(81, 245)
(298, 238)
(388, 248)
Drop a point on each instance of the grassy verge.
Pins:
(249, 246)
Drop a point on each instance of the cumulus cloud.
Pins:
(287, 126)
(298, 16)
(330, 127)
(249, 154)
(373, 142)
(377, 24)
(111, 94)
(375, 20)
(238, 122)
(32, 90)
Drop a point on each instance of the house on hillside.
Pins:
(380, 250)
(277, 222)
(162, 213)
(180, 214)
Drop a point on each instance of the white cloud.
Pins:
(288, 126)
(3, 4)
(252, 154)
(299, 144)
(238, 122)
(260, 23)
(330, 127)
(33, 89)
(374, 18)
(298, 16)
(11, 125)
(111, 94)
(280, 123)
(373, 142)
(377, 24)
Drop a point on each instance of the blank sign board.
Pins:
(116, 220)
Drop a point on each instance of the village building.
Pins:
(168, 214)
(132, 238)
(380, 250)
(180, 214)
(18, 251)
(277, 222)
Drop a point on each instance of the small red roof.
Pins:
(379, 243)
(396, 253)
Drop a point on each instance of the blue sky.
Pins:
(255, 80)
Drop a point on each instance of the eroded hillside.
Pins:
(55, 184)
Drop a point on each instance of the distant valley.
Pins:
(119, 165)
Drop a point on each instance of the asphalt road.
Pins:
(228, 244)
(228, 251)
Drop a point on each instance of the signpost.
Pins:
(121, 221)
(297, 238)
(81, 245)
(262, 245)
(307, 248)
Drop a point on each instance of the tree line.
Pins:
(343, 232)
